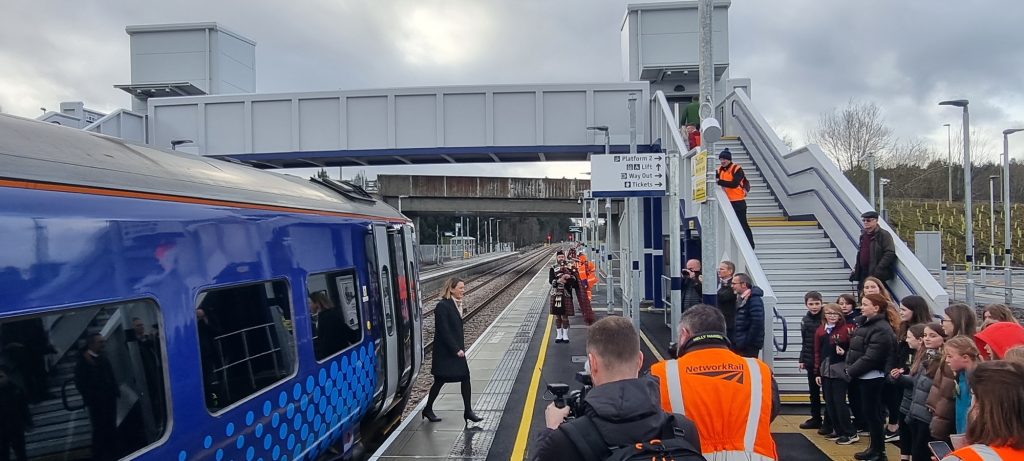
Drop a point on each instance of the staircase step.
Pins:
(787, 232)
(784, 274)
(816, 285)
(816, 264)
(779, 223)
(792, 243)
(786, 253)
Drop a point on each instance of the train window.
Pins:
(87, 383)
(334, 312)
(246, 340)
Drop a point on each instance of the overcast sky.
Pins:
(804, 57)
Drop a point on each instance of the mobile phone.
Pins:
(940, 449)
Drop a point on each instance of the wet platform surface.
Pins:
(511, 365)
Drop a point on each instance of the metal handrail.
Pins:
(785, 332)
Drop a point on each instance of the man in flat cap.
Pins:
(876, 256)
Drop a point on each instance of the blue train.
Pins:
(159, 305)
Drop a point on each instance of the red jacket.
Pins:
(840, 337)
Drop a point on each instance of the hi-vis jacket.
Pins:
(729, 397)
(983, 453)
(731, 178)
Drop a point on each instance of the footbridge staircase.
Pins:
(805, 216)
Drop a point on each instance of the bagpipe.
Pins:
(562, 291)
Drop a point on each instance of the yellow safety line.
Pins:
(519, 451)
(654, 350)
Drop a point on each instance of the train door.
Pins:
(415, 297)
(403, 303)
(385, 272)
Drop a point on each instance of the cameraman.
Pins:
(626, 410)
(693, 292)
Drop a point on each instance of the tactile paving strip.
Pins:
(475, 442)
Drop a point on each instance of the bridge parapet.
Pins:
(481, 187)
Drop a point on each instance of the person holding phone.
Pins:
(997, 429)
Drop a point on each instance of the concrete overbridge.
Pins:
(493, 196)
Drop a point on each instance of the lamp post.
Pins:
(968, 211)
(490, 241)
(497, 232)
(1007, 250)
(882, 182)
(871, 179)
(992, 219)
(949, 161)
(177, 142)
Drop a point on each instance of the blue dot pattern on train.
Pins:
(336, 395)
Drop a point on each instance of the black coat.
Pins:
(692, 293)
(625, 412)
(883, 258)
(750, 324)
(449, 339)
(727, 304)
(872, 345)
(808, 327)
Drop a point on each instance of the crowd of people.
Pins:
(896, 372)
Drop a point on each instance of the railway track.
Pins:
(527, 266)
(481, 281)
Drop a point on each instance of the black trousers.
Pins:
(906, 448)
(920, 435)
(853, 392)
(815, 392)
(12, 439)
(873, 411)
(104, 431)
(893, 397)
(835, 406)
(740, 207)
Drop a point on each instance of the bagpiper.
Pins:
(565, 285)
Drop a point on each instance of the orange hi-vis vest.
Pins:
(737, 193)
(729, 398)
(985, 453)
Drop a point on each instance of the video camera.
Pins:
(573, 399)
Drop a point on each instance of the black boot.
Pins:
(428, 414)
(470, 416)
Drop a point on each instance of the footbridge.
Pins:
(491, 196)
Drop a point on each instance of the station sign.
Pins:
(699, 182)
(575, 229)
(628, 175)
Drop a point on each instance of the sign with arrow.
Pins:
(628, 175)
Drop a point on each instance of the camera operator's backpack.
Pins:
(672, 446)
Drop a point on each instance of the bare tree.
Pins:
(909, 152)
(851, 134)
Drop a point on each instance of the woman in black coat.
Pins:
(871, 347)
(449, 363)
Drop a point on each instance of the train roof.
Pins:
(39, 152)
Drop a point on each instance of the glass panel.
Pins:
(246, 340)
(334, 312)
(82, 384)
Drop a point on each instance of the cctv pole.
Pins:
(1008, 249)
(709, 209)
(636, 228)
(608, 250)
(949, 154)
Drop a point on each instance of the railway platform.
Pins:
(513, 362)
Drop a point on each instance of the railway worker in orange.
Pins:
(732, 399)
(588, 274)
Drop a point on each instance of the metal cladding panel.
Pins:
(416, 120)
(367, 121)
(611, 109)
(319, 120)
(565, 117)
(669, 36)
(225, 127)
(176, 122)
(461, 186)
(465, 119)
(271, 126)
(515, 119)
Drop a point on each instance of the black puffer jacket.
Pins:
(625, 412)
(808, 326)
(872, 345)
